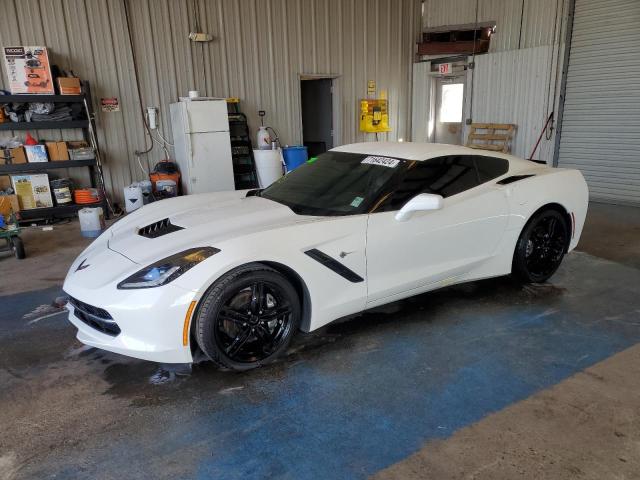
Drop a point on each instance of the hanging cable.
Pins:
(196, 18)
(549, 132)
(521, 21)
(553, 43)
(166, 142)
(137, 78)
(473, 62)
(137, 154)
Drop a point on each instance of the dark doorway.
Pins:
(317, 115)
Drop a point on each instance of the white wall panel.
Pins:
(261, 47)
(511, 87)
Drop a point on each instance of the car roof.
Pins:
(414, 150)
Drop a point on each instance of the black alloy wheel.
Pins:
(541, 246)
(248, 318)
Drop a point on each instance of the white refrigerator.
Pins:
(202, 145)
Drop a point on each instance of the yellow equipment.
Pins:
(374, 115)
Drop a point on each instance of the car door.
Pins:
(433, 246)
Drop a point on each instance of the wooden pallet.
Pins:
(495, 137)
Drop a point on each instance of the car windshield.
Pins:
(334, 183)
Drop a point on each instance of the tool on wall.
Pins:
(544, 129)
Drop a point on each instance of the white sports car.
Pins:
(236, 274)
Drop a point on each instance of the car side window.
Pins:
(444, 176)
(490, 167)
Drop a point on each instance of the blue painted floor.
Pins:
(347, 402)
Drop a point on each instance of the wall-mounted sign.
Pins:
(371, 87)
(110, 104)
(445, 68)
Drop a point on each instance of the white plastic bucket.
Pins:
(133, 199)
(91, 222)
(268, 166)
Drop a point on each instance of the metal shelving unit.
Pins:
(39, 166)
(31, 98)
(88, 129)
(53, 125)
(244, 169)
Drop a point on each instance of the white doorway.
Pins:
(438, 102)
(449, 106)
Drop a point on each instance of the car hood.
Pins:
(205, 220)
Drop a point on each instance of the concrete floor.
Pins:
(485, 380)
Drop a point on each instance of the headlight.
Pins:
(168, 269)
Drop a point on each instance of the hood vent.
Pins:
(159, 228)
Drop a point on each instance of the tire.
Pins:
(247, 318)
(541, 247)
(17, 245)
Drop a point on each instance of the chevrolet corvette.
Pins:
(234, 275)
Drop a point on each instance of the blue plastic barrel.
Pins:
(294, 156)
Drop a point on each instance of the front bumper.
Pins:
(149, 322)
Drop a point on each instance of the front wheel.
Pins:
(541, 247)
(247, 318)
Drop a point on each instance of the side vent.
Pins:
(334, 265)
(159, 228)
(513, 178)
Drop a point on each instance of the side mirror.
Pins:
(420, 203)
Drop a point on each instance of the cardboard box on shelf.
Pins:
(57, 151)
(28, 70)
(33, 190)
(5, 182)
(80, 150)
(12, 156)
(9, 204)
(74, 144)
(69, 86)
(36, 153)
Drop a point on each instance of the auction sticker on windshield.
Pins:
(382, 161)
(356, 202)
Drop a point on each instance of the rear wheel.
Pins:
(541, 246)
(247, 318)
(18, 248)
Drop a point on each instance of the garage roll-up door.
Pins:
(601, 123)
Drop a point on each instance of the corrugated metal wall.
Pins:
(601, 122)
(260, 49)
(535, 16)
(518, 80)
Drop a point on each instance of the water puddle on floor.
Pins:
(147, 383)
